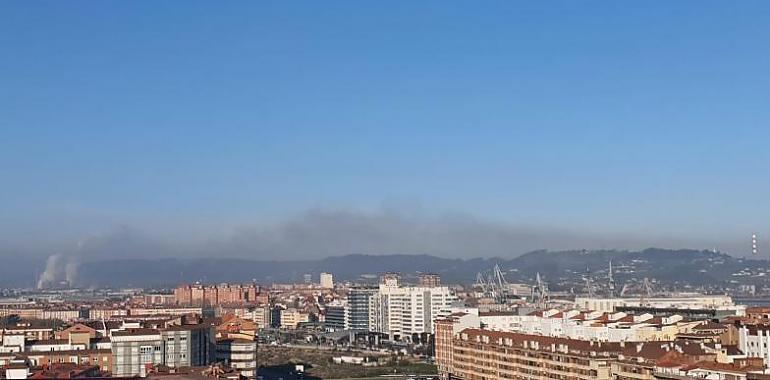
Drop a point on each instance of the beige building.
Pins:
(261, 316)
(291, 318)
(483, 355)
(477, 354)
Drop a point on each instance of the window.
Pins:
(146, 354)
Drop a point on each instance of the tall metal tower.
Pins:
(646, 292)
(754, 248)
(540, 292)
(611, 281)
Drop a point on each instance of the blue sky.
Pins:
(187, 121)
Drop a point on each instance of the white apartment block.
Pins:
(327, 280)
(401, 311)
(754, 341)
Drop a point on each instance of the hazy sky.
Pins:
(455, 128)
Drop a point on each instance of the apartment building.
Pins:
(99, 357)
(64, 314)
(98, 313)
(134, 350)
(240, 354)
(338, 316)
(188, 345)
(429, 280)
(594, 325)
(176, 346)
(401, 311)
(211, 295)
(363, 304)
(166, 311)
(484, 354)
(236, 345)
(291, 318)
(260, 315)
(327, 280)
(158, 299)
(478, 354)
(754, 339)
(30, 331)
(684, 302)
(444, 338)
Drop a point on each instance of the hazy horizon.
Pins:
(307, 130)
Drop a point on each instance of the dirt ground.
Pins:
(319, 363)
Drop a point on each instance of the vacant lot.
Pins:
(319, 363)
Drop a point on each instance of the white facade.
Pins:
(327, 280)
(754, 342)
(594, 326)
(403, 311)
(683, 301)
(13, 343)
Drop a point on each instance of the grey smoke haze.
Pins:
(122, 242)
(320, 233)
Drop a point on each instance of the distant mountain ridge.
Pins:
(674, 266)
(693, 266)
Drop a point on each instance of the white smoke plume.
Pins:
(122, 242)
(71, 270)
(58, 268)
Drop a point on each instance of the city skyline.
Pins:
(309, 130)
